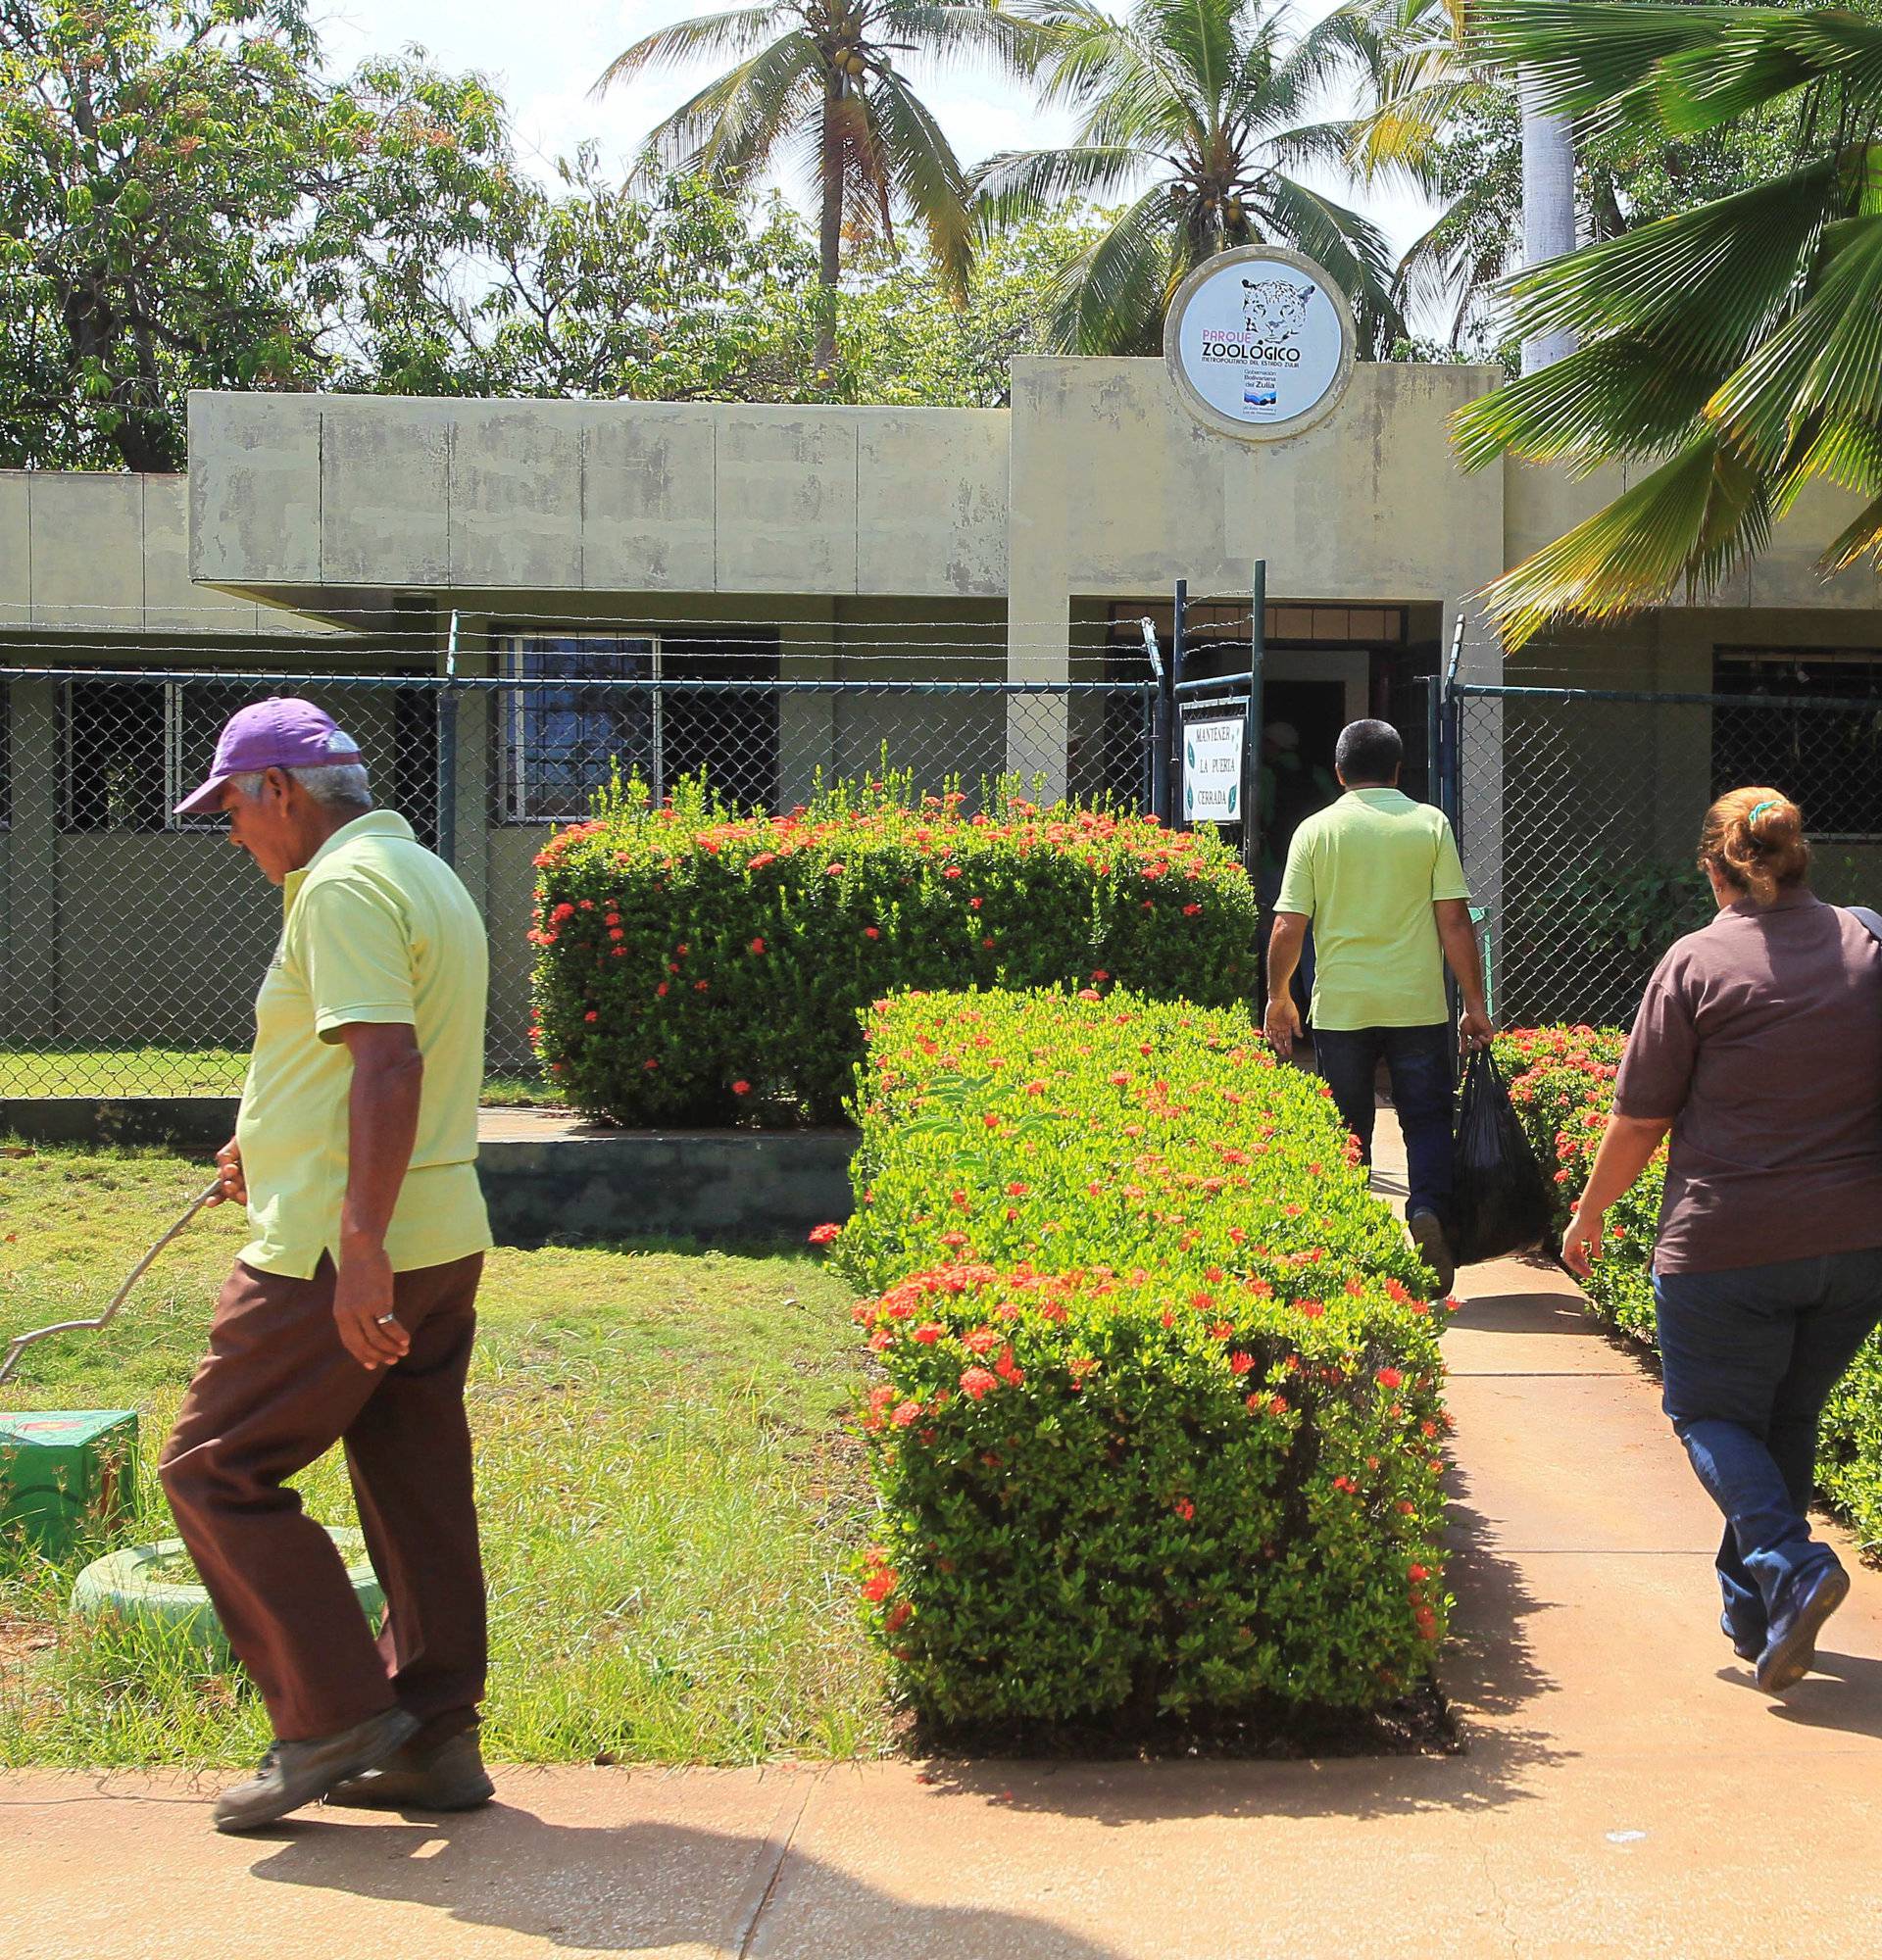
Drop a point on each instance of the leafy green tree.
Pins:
(906, 339)
(818, 78)
(1207, 100)
(1731, 352)
(186, 202)
(675, 292)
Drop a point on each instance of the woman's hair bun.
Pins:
(1753, 838)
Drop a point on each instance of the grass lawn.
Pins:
(669, 1497)
(179, 1071)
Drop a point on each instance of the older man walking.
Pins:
(1380, 879)
(350, 1313)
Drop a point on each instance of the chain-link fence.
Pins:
(131, 940)
(1578, 813)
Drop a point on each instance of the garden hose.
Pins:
(22, 1341)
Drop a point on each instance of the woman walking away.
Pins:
(1759, 1045)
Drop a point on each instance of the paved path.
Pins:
(1625, 1790)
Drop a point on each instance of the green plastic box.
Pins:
(64, 1474)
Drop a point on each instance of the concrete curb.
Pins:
(549, 1177)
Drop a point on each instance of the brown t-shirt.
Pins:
(1760, 1037)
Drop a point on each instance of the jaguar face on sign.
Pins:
(1276, 309)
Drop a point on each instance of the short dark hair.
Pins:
(1369, 752)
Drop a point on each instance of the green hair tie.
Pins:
(1759, 809)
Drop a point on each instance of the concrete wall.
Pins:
(316, 494)
(96, 556)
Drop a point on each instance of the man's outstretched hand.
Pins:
(1282, 1024)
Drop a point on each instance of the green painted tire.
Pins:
(127, 1587)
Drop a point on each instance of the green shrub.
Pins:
(1562, 1086)
(1161, 1421)
(693, 967)
(1562, 1081)
(1585, 940)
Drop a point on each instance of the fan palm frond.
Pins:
(1688, 524)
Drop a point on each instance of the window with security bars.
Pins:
(130, 750)
(1828, 761)
(583, 706)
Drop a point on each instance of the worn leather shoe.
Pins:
(1434, 1247)
(445, 1776)
(1791, 1652)
(296, 1773)
(1745, 1648)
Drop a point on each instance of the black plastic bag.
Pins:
(1500, 1197)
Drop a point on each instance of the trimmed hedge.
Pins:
(1563, 1084)
(1162, 1426)
(1562, 1081)
(697, 968)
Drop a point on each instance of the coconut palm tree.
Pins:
(1731, 353)
(1197, 110)
(818, 80)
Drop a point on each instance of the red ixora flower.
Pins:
(975, 1382)
(821, 1235)
(1389, 1378)
(1184, 1509)
(741, 1088)
(756, 946)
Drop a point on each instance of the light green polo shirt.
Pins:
(377, 928)
(1366, 870)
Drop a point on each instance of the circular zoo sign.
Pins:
(1259, 342)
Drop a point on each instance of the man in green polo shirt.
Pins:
(351, 1311)
(1379, 878)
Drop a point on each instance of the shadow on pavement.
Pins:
(1488, 1671)
(1523, 1314)
(1843, 1692)
(630, 1889)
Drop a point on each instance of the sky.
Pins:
(545, 59)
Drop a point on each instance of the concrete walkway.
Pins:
(1625, 1790)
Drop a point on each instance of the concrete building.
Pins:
(555, 541)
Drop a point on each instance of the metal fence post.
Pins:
(446, 737)
(1433, 738)
(447, 784)
(1158, 726)
(1252, 723)
(1178, 635)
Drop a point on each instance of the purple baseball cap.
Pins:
(279, 734)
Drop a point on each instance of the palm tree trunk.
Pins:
(829, 239)
(1547, 209)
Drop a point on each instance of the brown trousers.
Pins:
(275, 1392)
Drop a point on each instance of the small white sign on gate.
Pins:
(1213, 770)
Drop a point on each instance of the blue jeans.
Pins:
(1420, 1062)
(1748, 1357)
